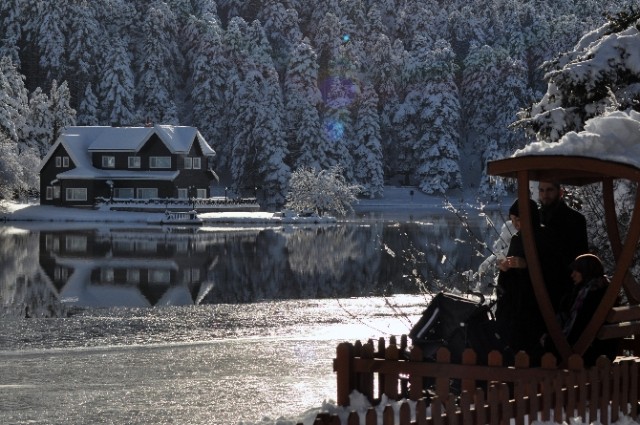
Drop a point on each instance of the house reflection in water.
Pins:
(134, 268)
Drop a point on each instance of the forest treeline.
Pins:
(409, 91)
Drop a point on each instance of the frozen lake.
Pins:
(222, 325)
(167, 365)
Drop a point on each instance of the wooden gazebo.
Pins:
(609, 321)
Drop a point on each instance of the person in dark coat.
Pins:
(518, 317)
(569, 225)
(590, 285)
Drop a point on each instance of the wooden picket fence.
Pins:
(488, 393)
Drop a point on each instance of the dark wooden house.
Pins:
(156, 162)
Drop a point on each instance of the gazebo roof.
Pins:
(565, 169)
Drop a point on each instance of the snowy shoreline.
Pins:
(399, 201)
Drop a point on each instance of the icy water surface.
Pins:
(120, 325)
(217, 364)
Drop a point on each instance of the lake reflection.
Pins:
(49, 272)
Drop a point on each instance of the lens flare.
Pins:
(334, 130)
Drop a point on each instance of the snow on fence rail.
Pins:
(490, 394)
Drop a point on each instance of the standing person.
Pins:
(518, 317)
(569, 225)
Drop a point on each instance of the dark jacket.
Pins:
(517, 313)
(569, 226)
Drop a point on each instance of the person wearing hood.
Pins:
(590, 285)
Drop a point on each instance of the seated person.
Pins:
(590, 285)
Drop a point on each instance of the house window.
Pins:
(60, 273)
(65, 161)
(123, 193)
(196, 163)
(52, 243)
(58, 161)
(160, 162)
(188, 163)
(76, 243)
(147, 192)
(146, 246)
(76, 194)
(201, 193)
(108, 161)
(182, 194)
(133, 276)
(56, 192)
(107, 275)
(134, 162)
(49, 193)
(159, 276)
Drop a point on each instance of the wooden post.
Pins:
(344, 372)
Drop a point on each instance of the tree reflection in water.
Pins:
(229, 266)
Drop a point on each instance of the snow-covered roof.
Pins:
(80, 141)
(609, 146)
(614, 137)
(131, 139)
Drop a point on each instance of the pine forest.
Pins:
(418, 92)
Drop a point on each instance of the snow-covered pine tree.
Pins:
(46, 25)
(39, 122)
(494, 85)
(88, 108)
(305, 142)
(11, 13)
(62, 114)
(367, 156)
(436, 149)
(85, 44)
(116, 86)
(160, 63)
(259, 151)
(281, 26)
(235, 45)
(597, 75)
(14, 103)
(207, 71)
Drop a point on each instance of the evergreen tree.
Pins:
(39, 123)
(85, 44)
(494, 85)
(281, 27)
(13, 101)
(436, 150)
(62, 114)
(115, 90)
(235, 46)
(305, 141)
(259, 148)
(11, 12)
(88, 109)
(367, 156)
(47, 26)
(159, 65)
(207, 75)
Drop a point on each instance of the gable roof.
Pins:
(178, 139)
(79, 142)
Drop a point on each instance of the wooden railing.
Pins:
(486, 393)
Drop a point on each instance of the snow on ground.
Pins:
(401, 199)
